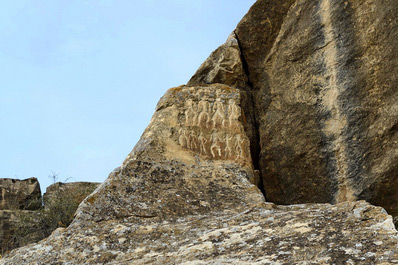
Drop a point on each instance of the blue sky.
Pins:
(79, 80)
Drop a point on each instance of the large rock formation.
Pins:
(18, 194)
(185, 196)
(301, 101)
(323, 81)
(72, 192)
(23, 219)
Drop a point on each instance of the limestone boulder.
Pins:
(11, 236)
(72, 192)
(21, 227)
(7, 229)
(20, 194)
(194, 157)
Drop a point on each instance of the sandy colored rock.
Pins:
(71, 191)
(21, 227)
(323, 80)
(347, 233)
(20, 194)
(193, 158)
(329, 134)
(10, 223)
(303, 94)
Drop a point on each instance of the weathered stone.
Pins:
(193, 158)
(74, 192)
(323, 78)
(10, 222)
(20, 194)
(7, 229)
(304, 91)
(21, 227)
(347, 233)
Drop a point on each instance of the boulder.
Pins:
(193, 158)
(21, 227)
(7, 230)
(18, 194)
(73, 192)
(11, 235)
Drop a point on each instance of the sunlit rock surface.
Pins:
(346, 233)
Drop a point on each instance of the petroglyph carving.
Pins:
(205, 116)
(193, 140)
(183, 139)
(215, 147)
(218, 117)
(228, 150)
(203, 110)
(239, 145)
(190, 113)
(202, 144)
(233, 112)
(211, 128)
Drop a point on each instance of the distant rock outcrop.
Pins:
(18, 194)
(74, 192)
(23, 219)
(300, 105)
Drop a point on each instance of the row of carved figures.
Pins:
(206, 115)
(213, 145)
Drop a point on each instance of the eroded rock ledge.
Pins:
(347, 233)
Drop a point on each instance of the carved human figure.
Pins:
(193, 140)
(228, 149)
(219, 114)
(190, 113)
(233, 112)
(202, 144)
(183, 139)
(215, 145)
(203, 110)
(239, 145)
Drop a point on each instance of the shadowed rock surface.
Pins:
(20, 194)
(323, 81)
(301, 101)
(19, 226)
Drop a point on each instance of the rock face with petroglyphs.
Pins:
(299, 105)
(323, 81)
